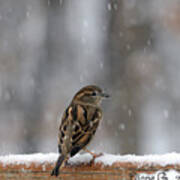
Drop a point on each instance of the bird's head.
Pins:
(91, 95)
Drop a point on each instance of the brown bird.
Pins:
(79, 123)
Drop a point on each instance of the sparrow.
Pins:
(79, 124)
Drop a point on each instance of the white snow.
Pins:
(85, 23)
(166, 113)
(80, 158)
(129, 112)
(162, 160)
(40, 158)
(121, 126)
(106, 159)
(27, 159)
(109, 6)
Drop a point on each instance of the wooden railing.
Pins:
(83, 167)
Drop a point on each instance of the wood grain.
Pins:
(82, 171)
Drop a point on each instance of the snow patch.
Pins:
(106, 159)
(80, 158)
(27, 159)
(162, 160)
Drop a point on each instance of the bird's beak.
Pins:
(104, 95)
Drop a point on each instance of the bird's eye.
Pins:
(94, 94)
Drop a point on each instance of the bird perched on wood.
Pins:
(79, 123)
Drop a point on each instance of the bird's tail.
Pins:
(55, 171)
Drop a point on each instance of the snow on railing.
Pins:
(107, 166)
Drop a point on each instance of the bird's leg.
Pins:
(66, 160)
(93, 154)
(86, 150)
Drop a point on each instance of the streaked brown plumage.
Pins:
(79, 123)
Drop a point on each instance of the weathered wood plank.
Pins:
(81, 169)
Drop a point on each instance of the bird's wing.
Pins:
(79, 125)
(84, 127)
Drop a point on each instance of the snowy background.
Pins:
(49, 49)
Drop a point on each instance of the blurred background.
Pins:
(49, 49)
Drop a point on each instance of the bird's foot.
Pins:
(94, 155)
